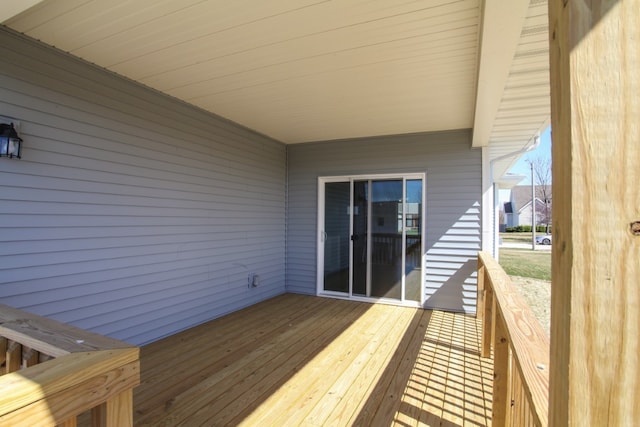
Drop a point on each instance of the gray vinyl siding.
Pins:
(453, 196)
(131, 214)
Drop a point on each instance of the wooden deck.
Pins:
(299, 360)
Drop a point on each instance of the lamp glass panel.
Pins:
(14, 147)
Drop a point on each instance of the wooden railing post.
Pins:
(595, 297)
(14, 356)
(98, 415)
(71, 422)
(119, 410)
(487, 325)
(3, 353)
(501, 395)
(481, 298)
(484, 308)
(29, 357)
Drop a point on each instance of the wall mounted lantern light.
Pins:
(10, 142)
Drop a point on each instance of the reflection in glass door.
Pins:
(386, 239)
(336, 236)
(413, 240)
(371, 238)
(360, 234)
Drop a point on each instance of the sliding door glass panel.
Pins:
(336, 238)
(413, 242)
(359, 237)
(386, 239)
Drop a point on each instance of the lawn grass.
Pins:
(516, 237)
(526, 263)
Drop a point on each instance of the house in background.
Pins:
(517, 211)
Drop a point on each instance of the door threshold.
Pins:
(371, 300)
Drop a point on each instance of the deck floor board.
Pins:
(216, 347)
(309, 361)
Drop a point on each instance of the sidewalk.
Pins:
(518, 245)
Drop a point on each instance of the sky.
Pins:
(544, 149)
(523, 168)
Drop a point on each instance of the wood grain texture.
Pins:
(98, 415)
(501, 409)
(71, 422)
(516, 327)
(64, 373)
(3, 354)
(119, 409)
(488, 322)
(30, 357)
(480, 299)
(595, 308)
(13, 356)
(319, 361)
(67, 403)
(40, 390)
(49, 336)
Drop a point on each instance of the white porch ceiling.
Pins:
(524, 109)
(309, 70)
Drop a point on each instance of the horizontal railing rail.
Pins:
(520, 349)
(51, 372)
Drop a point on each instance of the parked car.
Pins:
(544, 239)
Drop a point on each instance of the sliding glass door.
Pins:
(336, 236)
(386, 239)
(370, 241)
(360, 235)
(413, 249)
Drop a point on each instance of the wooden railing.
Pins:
(520, 349)
(52, 372)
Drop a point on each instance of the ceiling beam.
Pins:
(502, 22)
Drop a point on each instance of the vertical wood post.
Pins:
(71, 422)
(480, 301)
(98, 415)
(3, 354)
(29, 357)
(119, 410)
(501, 396)
(487, 325)
(595, 297)
(13, 356)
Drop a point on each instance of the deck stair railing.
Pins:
(51, 372)
(520, 349)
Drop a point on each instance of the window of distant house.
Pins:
(413, 221)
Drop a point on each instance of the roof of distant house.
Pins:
(521, 195)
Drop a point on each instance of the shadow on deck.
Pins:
(300, 360)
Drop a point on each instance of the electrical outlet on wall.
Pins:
(253, 280)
